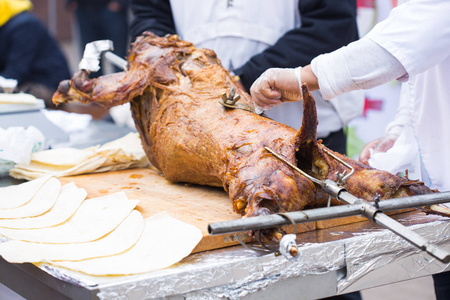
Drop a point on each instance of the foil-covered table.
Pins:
(333, 261)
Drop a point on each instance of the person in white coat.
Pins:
(413, 46)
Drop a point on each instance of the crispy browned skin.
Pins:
(173, 88)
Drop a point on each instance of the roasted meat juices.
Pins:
(189, 136)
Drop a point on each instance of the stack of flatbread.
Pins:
(19, 102)
(123, 153)
(45, 222)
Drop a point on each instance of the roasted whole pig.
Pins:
(190, 137)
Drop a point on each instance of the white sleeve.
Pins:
(360, 65)
(416, 33)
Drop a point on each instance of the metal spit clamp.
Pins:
(289, 247)
(230, 101)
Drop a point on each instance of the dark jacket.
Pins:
(326, 26)
(97, 3)
(29, 54)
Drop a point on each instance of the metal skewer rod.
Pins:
(269, 221)
(318, 214)
(116, 60)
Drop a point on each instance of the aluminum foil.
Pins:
(385, 248)
(370, 256)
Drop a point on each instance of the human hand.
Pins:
(275, 86)
(381, 144)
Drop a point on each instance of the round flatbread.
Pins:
(67, 203)
(94, 219)
(119, 240)
(164, 242)
(17, 195)
(42, 201)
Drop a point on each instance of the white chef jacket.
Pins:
(423, 48)
(246, 28)
(417, 34)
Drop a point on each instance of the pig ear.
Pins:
(308, 130)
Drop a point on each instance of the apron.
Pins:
(236, 32)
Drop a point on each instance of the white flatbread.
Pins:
(119, 240)
(42, 201)
(17, 195)
(123, 153)
(19, 98)
(94, 219)
(128, 147)
(67, 203)
(64, 157)
(164, 242)
(35, 169)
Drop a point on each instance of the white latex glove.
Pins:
(381, 144)
(276, 86)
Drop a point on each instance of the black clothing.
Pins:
(442, 285)
(29, 54)
(97, 3)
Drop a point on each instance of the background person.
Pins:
(28, 53)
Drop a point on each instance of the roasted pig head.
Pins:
(190, 137)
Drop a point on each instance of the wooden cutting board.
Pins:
(193, 204)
